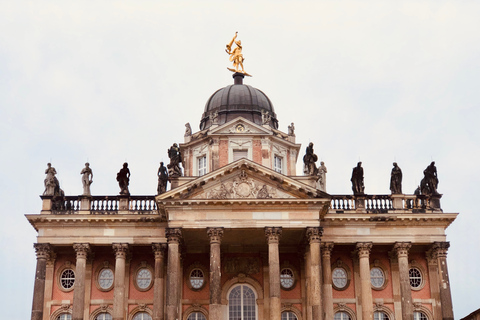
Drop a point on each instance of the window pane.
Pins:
(419, 316)
(288, 315)
(67, 279)
(196, 316)
(105, 278)
(377, 277)
(196, 278)
(242, 303)
(379, 315)
(339, 278)
(142, 316)
(144, 278)
(415, 277)
(104, 316)
(341, 316)
(287, 278)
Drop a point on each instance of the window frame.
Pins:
(242, 308)
(341, 265)
(377, 265)
(104, 266)
(281, 159)
(196, 266)
(68, 265)
(415, 265)
(202, 170)
(141, 266)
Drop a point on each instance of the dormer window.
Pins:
(277, 163)
(202, 165)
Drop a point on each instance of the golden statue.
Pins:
(236, 55)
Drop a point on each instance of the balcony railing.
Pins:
(384, 203)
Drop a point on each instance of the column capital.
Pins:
(174, 235)
(273, 234)
(159, 250)
(440, 249)
(314, 234)
(327, 248)
(363, 249)
(82, 250)
(120, 250)
(43, 250)
(402, 248)
(215, 234)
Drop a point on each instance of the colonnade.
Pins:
(318, 277)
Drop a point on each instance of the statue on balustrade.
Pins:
(396, 179)
(87, 179)
(429, 183)
(52, 186)
(123, 178)
(357, 180)
(162, 179)
(309, 159)
(322, 177)
(188, 130)
(174, 169)
(291, 130)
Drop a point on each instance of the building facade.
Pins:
(241, 236)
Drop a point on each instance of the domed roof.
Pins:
(238, 100)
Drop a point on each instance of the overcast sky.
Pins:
(114, 81)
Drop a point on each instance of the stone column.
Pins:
(433, 277)
(82, 250)
(43, 251)
(174, 236)
(273, 236)
(363, 250)
(314, 235)
(401, 249)
(120, 250)
(327, 280)
(215, 308)
(440, 251)
(159, 281)
(308, 283)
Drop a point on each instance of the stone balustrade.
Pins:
(99, 205)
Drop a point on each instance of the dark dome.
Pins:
(238, 100)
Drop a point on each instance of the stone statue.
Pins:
(291, 130)
(52, 186)
(162, 179)
(266, 117)
(396, 179)
(322, 177)
(236, 55)
(123, 178)
(175, 156)
(309, 159)
(87, 179)
(357, 180)
(429, 183)
(214, 117)
(188, 129)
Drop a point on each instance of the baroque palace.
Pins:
(239, 235)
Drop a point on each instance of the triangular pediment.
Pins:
(243, 179)
(241, 125)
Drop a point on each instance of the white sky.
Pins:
(115, 81)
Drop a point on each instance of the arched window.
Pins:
(417, 315)
(242, 303)
(64, 316)
(341, 316)
(380, 315)
(288, 315)
(196, 316)
(103, 316)
(142, 316)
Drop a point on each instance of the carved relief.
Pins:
(244, 187)
(242, 265)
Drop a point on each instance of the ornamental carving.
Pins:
(273, 234)
(244, 187)
(242, 265)
(120, 250)
(314, 234)
(82, 250)
(219, 193)
(440, 249)
(363, 249)
(402, 248)
(327, 248)
(159, 250)
(174, 235)
(43, 250)
(215, 234)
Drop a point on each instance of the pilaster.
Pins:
(401, 249)
(314, 235)
(327, 248)
(439, 250)
(215, 308)
(43, 251)
(363, 251)
(159, 281)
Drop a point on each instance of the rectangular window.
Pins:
(239, 154)
(277, 163)
(202, 165)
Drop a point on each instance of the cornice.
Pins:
(444, 219)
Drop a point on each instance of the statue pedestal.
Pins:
(397, 201)
(360, 204)
(46, 204)
(85, 202)
(123, 204)
(434, 202)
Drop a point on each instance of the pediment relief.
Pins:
(241, 126)
(242, 186)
